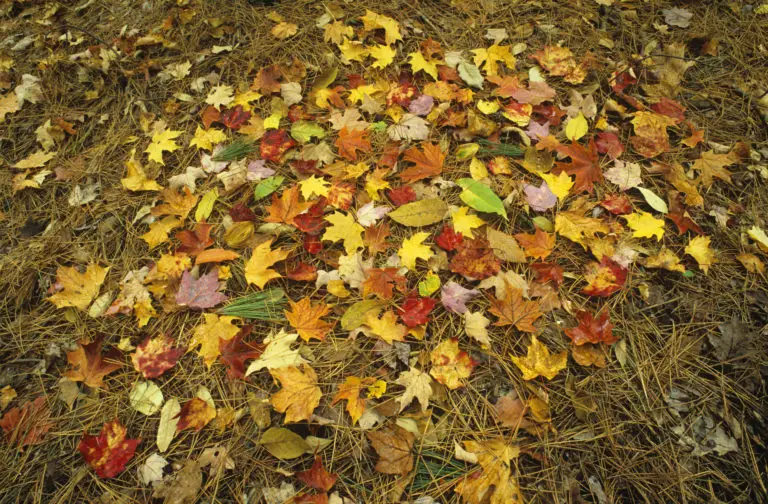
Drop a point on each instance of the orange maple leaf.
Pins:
(536, 245)
(88, 366)
(195, 414)
(381, 281)
(28, 424)
(428, 162)
(300, 394)
(305, 318)
(375, 238)
(514, 310)
(584, 165)
(350, 141)
(475, 259)
(286, 207)
(350, 391)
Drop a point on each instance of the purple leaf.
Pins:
(540, 198)
(257, 170)
(455, 297)
(421, 105)
(201, 293)
(537, 131)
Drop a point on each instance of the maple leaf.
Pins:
(234, 352)
(278, 353)
(665, 259)
(208, 335)
(76, 289)
(305, 318)
(110, 451)
(350, 141)
(201, 293)
(194, 242)
(711, 165)
(591, 329)
(537, 245)
(257, 269)
(413, 248)
(234, 118)
(136, 178)
(449, 239)
(176, 203)
(449, 364)
(383, 55)
(617, 204)
(373, 21)
(381, 282)
(285, 208)
(576, 227)
(604, 278)
(475, 259)
(401, 195)
(375, 238)
(158, 231)
(584, 165)
(698, 248)
(489, 59)
(343, 227)
(559, 61)
(417, 386)
(539, 362)
(88, 366)
(155, 356)
(393, 444)
(300, 394)
(350, 391)
(317, 477)
(514, 310)
(427, 162)
(28, 424)
(548, 272)
(385, 327)
(162, 141)
(645, 225)
(455, 297)
(495, 483)
(195, 414)
(464, 223)
(274, 144)
(415, 310)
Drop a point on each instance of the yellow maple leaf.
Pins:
(645, 225)
(344, 227)
(336, 31)
(207, 335)
(665, 259)
(300, 394)
(314, 186)
(162, 141)
(698, 248)
(712, 165)
(387, 328)
(496, 484)
(560, 185)
(350, 391)
(77, 289)
(244, 99)
(383, 55)
(450, 365)
(359, 93)
(136, 179)
(539, 362)
(577, 228)
(419, 63)
(464, 223)
(373, 21)
(353, 50)
(374, 182)
(8, 105)
(489, 58)
(207, 138)
(35, 160)
(757, 234)
(159, 230)
(278, 353)
(413, 248)
(257, 269)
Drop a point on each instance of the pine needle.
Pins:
(500, 149)
(262, 305)
(235, 151)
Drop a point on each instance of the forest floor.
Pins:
(386, 177)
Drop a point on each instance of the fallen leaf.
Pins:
(413, 249)
(343, 227)
(283, 443)
(208, 335)
(257, 269)
(234, 352)
(698, 248)
(350, 391)
(393, 445)
(28, 424)
(350, 141)
(195, 414)
(415, 310)
(385, 327)
(450, 365)
(476, 326)
(169, 419)
(604, 278)
(300, 394)
(277, 353)
(317, 477)
(645, 225)
(539, 362)
(419, 213)
(591, 329)
(76, 289)
(162, 141)
(418, 385)
(515, 311)
(88, 365)
(110, 451)
(305, 318)
(475, 259)
(145, 397)
(201, 293)
(428, 162)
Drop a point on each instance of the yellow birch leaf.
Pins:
(576, 127)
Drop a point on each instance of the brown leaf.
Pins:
(286, 208)
(317, 477)
(475, 259)
(427, 163)
(514, 310)
(305, 318)
(201, 293)
(28, 424)
(350, 141)
(393, 445)
(88, 366)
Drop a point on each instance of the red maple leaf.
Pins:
(234, 352)
(305, 167)
(311, 221)
(591, 329)
(389, 157)
(679, 215)
(201, 293)
(670, 108)
(609, 143)
(312, 244)
(210, 115)
(274, 144)
(341, 195)
(617, 204)
(110, 451)
(548, 272)
(317, 477)
(401, 195)
(584, 165)
(156, 355)
(195, 414)
(604, 278)
(448, 239)
(241, 213)
(301, 272)
(475, 259)
(622, 80)
(234, 118)
(415, 310)
(28, 424)
(403, 93)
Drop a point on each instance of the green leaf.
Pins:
(283, 443)
(480, 197)
(379, 126)
(429, 285)
(420, 213)
(303, 131)
(267, 186)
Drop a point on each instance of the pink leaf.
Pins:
(454, 297)
(540, 198)
(201, 293)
